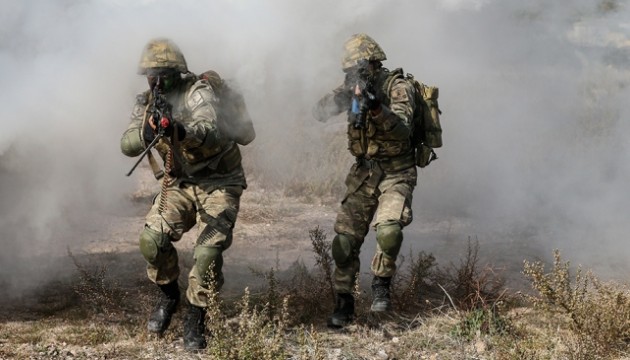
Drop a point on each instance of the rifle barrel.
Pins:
(145, 152)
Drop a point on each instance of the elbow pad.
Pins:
(132, 143)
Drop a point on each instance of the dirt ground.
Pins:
(272, 231)
(52, 320)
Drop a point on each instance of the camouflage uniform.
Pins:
(381, 182)
(203, 183)
(206, 187)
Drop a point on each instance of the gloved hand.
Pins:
(148, 133)
(163, 124)
(168, 126)
(371, 101)
(368, 98)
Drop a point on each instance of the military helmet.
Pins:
(361, 47)
(162, 53)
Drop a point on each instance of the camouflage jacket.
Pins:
(204, 154)
(386, 135)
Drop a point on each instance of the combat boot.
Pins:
(380, 294)
(344, 311)
(167, 303)
(194, 328)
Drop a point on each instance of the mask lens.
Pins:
(152, 80)
(166, 76)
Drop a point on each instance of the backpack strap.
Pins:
(390, 78)
(213, 78)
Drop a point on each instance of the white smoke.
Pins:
(532, 94)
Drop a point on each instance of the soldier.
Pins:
(380, 112)
(202, 183)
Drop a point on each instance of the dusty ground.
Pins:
(272, 230)
(51, 319)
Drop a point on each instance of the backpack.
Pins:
(233, 117)
(427, 131)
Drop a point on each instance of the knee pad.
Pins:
(343, 248)
(152, 243)
(208, 259)
(389, 237)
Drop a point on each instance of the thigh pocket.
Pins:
(395, 205)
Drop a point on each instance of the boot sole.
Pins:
(195, 346)
(380, 308)
(170, 311)
(155, 329)
(338, 324)
(158, 330)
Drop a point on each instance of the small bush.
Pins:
(323, 258)
(599, 312)
(471, 287)
(415, 282)
(310, 346)
(101, 295)
(487, 321)
(252, 335)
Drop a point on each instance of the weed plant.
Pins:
(599, 312)
(458, 311)
(96, 291)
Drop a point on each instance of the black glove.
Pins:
(172, 126)
(371, 101)
(164, 124)
(169, 127)
(147, 133)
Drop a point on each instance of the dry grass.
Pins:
(599, 312)
(456, 312)
(96, 291)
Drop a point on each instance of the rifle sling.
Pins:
(157, 171)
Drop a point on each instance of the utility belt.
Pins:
(389, 164)
(228, 161)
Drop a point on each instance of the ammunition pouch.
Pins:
(424, 155)
(229, 161)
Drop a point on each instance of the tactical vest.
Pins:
(426, 129)
(216, 156)
(373, 141)
(426, 116)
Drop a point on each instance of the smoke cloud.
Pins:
(532, 94)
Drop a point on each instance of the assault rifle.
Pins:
(160, 111)
(359, 104)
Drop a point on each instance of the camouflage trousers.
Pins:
(371, 191)
(215, 210)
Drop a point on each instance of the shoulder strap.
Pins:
(213, 78)
(391, 77)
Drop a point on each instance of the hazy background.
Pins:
(534, 100)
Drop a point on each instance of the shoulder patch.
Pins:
(138, 111)
(142, 98)
(400, 91)
(201, 92)
(400, 95)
